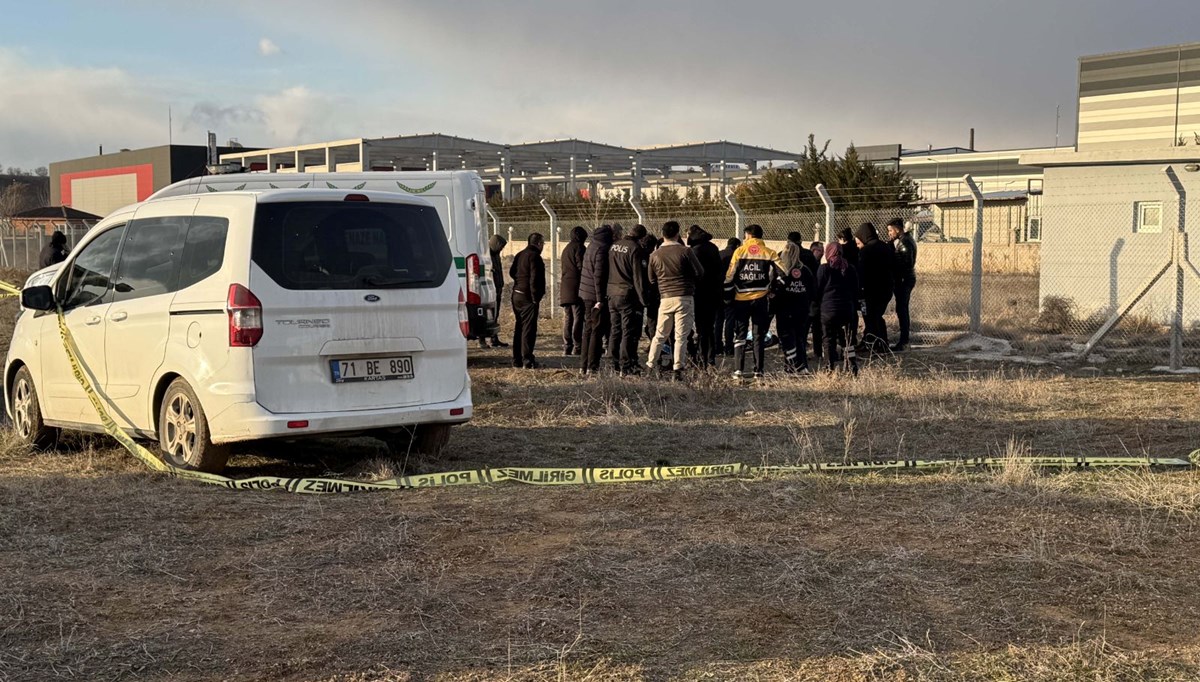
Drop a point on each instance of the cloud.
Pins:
(53, 113)
(267, 47)
(49, 113)
(630, 72)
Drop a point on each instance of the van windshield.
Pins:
(350, 245)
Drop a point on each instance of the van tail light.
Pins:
(245, 317)
(464, 322)
(473, 297)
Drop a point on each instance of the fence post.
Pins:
(828, 201)
(976, 257)
(5, 226)
(495, 221)
(636, 202)
(1178, 254)
(553, 254)
(739, 228)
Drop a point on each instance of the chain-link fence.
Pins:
(1099, 282)
(21, 242)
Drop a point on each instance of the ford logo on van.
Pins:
(371, 298)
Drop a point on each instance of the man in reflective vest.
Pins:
(752, 270)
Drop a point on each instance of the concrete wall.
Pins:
(1091, 252)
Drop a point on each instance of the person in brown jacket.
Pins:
(676, 271)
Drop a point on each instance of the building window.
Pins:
(1033, 229)
(1149, 217)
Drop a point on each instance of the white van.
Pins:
(206, 320)
(458, 196)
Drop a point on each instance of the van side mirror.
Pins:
(38, 298)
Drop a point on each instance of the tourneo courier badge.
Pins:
(371, 298)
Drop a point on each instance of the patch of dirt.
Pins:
(112, 572)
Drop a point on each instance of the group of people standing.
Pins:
(695, 302)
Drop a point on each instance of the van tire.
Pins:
(424, 439)
(183, 437)
(27, 413)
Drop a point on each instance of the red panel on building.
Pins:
(143, 172)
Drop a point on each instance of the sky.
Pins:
(77, 75)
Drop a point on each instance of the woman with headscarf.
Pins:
(837, 290)
(791, 306)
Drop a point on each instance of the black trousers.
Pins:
(791, 322)
(840, 329)
(728, 322)
(903, 298)
(814, 323)
(745, 313)
(595, 330)
(718, 326)
(525, 310)
(573, 315)
(874, 328)
(627, 318)
(499, 295)
(703, 345)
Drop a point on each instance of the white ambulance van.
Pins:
(458, 196)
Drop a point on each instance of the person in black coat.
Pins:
(593, 291)
(707, 299)
(837, 291)
(568, 292)
(55, 252)
(649, 244)
(627, 285)
(905, 275)
(528, 273)
(724, 323)
(845, 239)
(876, 265)
(495, 247)
(817, 249)
(792, 303)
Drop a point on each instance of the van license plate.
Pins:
(372, 369)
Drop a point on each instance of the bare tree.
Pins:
(41, 172)
(17, 197)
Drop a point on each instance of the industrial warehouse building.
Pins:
(103, 183)
(1110, 212)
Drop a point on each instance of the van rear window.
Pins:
(350, 245)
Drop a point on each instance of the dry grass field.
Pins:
(108, 572)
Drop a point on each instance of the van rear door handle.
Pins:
(118, 316)
(91, 321)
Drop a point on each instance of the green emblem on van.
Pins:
(333, 186)
(416, 190)
(235, 189)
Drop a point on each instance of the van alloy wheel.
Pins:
(22, 403)
(180, 428)
(183, 435)
(27, 413)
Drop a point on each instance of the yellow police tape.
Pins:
(557, 475)
(8, 290)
